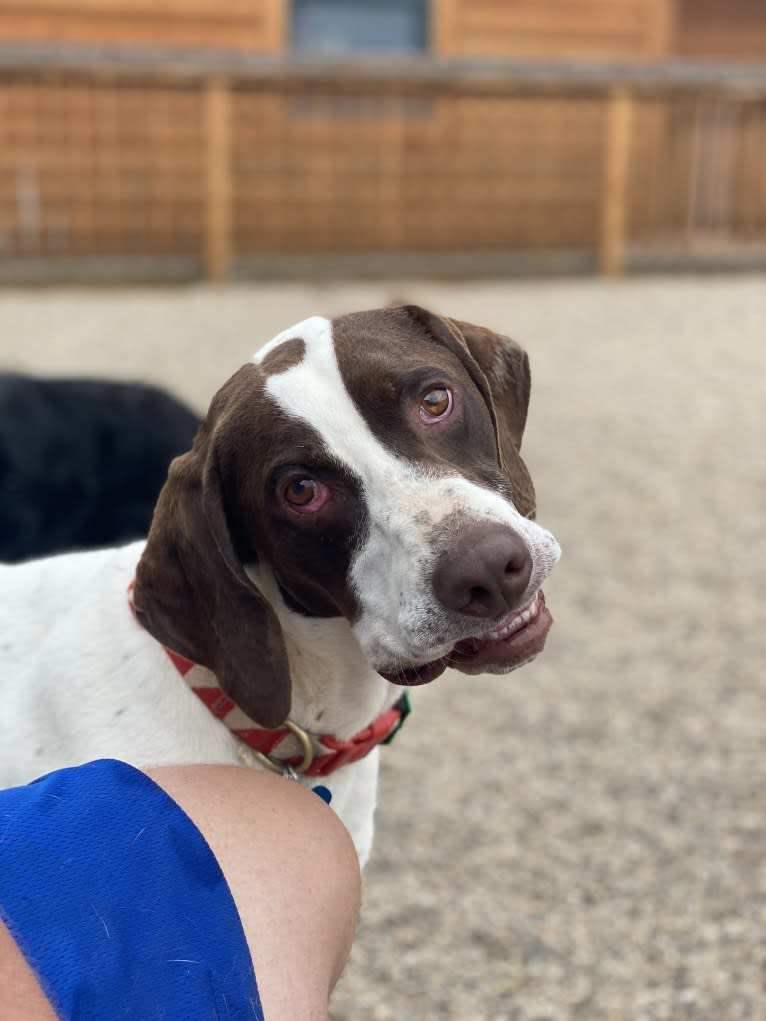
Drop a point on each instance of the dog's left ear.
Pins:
(500, 369)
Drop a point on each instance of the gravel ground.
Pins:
(583, 839)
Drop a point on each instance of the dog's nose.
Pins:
(485, 573)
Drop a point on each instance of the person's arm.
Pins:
(21, 998)
(292, 870)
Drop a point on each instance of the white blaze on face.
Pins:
(390, 574)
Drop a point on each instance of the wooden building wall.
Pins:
(723, 29)
(616, 29)
(252, 25)
(611, 29)
(520, 28)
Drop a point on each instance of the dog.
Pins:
(82, 461)
(354, 516)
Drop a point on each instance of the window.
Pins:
(340, 26)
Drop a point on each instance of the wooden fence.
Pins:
(148, 164)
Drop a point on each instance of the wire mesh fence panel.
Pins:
(707, 172)
(99, 169)
(344, 172)
(110, 159)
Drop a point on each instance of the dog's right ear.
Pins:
(193, 595)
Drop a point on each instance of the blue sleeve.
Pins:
(117, 902)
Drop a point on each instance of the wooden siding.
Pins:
(554, 28)
(723, 29)
(252, 25)
(617, 29)
(520, 28)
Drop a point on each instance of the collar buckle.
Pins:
(291, 770)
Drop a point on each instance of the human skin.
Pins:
(292, 870)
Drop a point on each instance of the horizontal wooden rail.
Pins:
(444, 75)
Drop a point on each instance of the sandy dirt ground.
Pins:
(583, 839)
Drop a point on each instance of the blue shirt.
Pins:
(117, 902)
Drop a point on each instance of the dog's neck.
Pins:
(334, 688)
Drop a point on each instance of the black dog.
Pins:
(82, 461)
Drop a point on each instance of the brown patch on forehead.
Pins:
(386, 359)
(284, 356)
(373, 348)
(382, 353)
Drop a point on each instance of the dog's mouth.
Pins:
(518, 638)
(515, 640)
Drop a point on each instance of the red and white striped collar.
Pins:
(318, 755)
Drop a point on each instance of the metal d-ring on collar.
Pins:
(292, 772)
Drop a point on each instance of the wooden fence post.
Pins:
(614, 185)
(218, 183)
(692, 177)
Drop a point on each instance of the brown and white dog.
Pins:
(354, 516)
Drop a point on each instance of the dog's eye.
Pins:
(305, 495)
(300, 492)
(436, 404)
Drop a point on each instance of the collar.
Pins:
(319, 755)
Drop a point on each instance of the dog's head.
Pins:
(367, 468)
